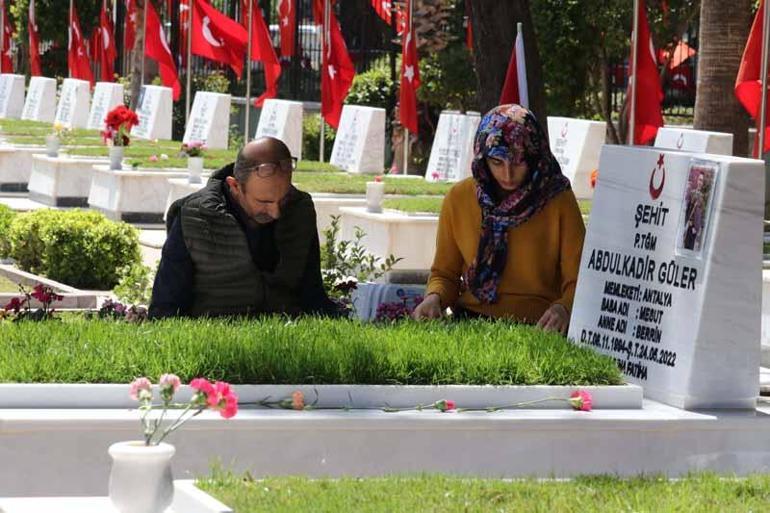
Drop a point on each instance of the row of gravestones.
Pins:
(209, 118)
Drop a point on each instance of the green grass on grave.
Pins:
(419, 205)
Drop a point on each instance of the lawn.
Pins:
(343, 183)
(702, 493)
(433, 205)
(305, 351)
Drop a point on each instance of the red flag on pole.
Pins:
(648, 115)
(384, 9)
(468, 27)
(106, 45)
(410, 77)
(6, 62)
(262, 50)
(77, 57)
(184, 27)
(287, 16)
(515, 89)
(337, 69)
(129, 37)
(34, 42)
(748, 83)
(156, 48)
(217, 37)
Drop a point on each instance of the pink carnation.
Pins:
(223, 399)
(170, 381)
(139, 385)
(445, 405)
(202, 385)
(581, 400)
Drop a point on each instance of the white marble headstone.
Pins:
(107, 95)
(40, 104)
(72, 111)
(360, 143)
(11, 96)
(209, 121)
(699, 141)
(670, 280)
(576, 144)
(282, 119)
(452, 151)
(154, 110)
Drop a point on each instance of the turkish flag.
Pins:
(410, 77)
(287, 18)
(748, 83)
(129, 37)
(156, 48)
(384, 9)
(262, 50)
(105, 45)
(184, 27)
(515, 88)
(648, 116)
(77, 57)
(337, 69)
(6, 62)
(36, 69)
(217, 37)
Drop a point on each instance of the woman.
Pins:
(509, 239)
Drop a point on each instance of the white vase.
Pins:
(116, 157)
(52, 144)
(140, 480)
(375, 192)
(195, 169)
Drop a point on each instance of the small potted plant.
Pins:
(54, 139)
(117, 127)
(194, 152)
(375, 192)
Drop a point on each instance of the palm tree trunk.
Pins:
(137, 55)
(724, 29)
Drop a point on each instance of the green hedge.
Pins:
(78, 247)
(6, 216)
(311, 138)
(310, 350)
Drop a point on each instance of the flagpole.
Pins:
(144, 32)
(406, 130)
(248, 73)
(763, 111)
(69, 33)
(634, 62)
(189, 62)
(327, 13)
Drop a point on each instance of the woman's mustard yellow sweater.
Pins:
(542, 263)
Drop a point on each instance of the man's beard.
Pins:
(263, 219)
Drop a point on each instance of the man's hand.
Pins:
(430, 308)
(556, 318)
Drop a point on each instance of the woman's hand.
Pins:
(556, 318)
(430, 308)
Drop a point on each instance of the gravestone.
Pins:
(576, 144)
(670, 278)
(209, 121)
(154, 109)
(106, 97)
(282, 119)
(360, 143)
(40, 104)
(452, 151)
(72, 111)
(698, 141)
(11, 96)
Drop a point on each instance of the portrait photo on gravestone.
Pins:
(698, 194)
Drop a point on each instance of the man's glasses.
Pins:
(270, 168)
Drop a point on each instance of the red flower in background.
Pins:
(118, 125)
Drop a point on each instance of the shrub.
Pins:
(81, 248)
(311, 137)
(135, 285)
(373, 88)
(6, 216)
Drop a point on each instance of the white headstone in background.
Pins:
(670, 280)
(452, 151)
(154, 109)
(107, 96)
(11, 96)
(282, 119)
(40, 104)
(697, 141)
(72, 111)
(209, 121)
(576, 144)
(360, 143)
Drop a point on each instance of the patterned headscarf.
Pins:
(510, 133)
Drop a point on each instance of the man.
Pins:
(244, 244)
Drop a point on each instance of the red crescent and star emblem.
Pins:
(564, 129)
(680, 141)
(656, 191)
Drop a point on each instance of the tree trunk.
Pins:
(137, 55)
(724, 29)
(494, 34)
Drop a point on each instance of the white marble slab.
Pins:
(16, 166)
(282, 119)
(680, 315)
(452, 152)
(107, 95)
(62, 181)
(360, 143)
(74, 100)
(209, 120)
(697, 141)
(40, 104)
(154, 110)
(11, 96)
(576, 144)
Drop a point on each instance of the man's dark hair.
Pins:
(245, 166)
